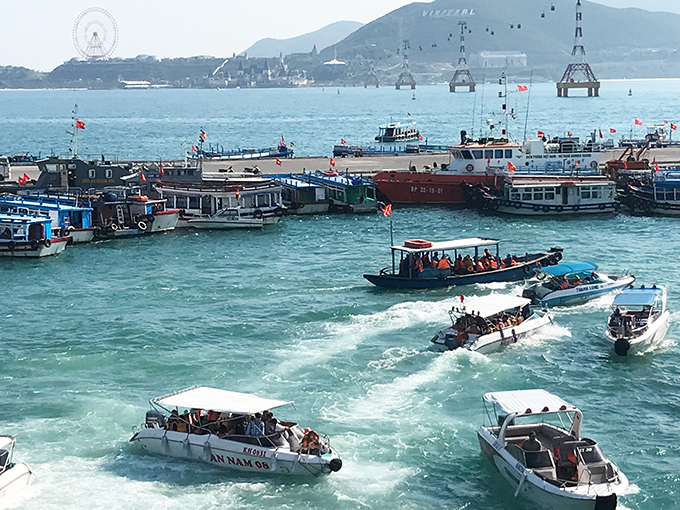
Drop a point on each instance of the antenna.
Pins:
(526, 118)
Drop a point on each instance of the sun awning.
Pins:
(202, 397)
(573, 267)
(458, 244)
(521, 401)
(5, 442)
(637, 297)
(493, 304)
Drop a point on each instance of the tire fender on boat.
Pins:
(257, 213)
(11, 245)
(114, 226)
(142, 226)
(594, 164)
(546, 208)
(47, 243)
(559, 208)
(469, 168)
(536, 208)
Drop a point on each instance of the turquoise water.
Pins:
(89, 336)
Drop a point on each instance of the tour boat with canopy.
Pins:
(639, 319)
(13, 476)
(534, 440)
(573, 283)
(407, 271)
(223, 428)
(485, 323)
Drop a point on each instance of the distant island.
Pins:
(520, 37)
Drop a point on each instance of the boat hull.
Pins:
(13, 481)
(650, 337)
(584, 293)
(34, 249)
(233, 454)
(529, 209)
(545, 494)
(214, 224)
(81, 235)
(428, 188)
(303, 208)
(486, 344)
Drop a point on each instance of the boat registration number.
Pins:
(226, 459)
(252, 451)
(587, 288)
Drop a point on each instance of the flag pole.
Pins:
(391, 233)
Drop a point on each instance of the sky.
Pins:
(37, 34)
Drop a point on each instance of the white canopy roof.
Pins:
(5, 442)
(202, 397)
(487, 306)
(521, 401)
(457, 244)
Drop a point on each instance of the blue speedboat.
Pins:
(407, 273)
(572, 283)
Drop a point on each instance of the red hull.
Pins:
(440, 189)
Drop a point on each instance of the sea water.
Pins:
(90, 336)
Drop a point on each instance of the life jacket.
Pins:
(309, 441)
(443, 263)
(480, 266)
(493, 264)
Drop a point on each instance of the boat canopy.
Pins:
(458, 244)
(573, 267)
(6, 442)
(524, 402)
(203, 397)
(488, 306)
(637, 297)
(22, 219)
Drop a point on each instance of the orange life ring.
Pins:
(417, 243)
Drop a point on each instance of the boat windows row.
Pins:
(586, 192)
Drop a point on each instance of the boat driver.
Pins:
(532, 444)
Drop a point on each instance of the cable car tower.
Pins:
(578, 64)
(406, 79)
(462, 76)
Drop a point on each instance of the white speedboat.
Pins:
(573, 283)
(218, 429)
(13, 477)
(548, 464)
(227, 219)
(486, 323)
(638, 320)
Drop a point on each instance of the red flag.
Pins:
(160, 169)
(420, 137)
(665, 122)
(522, 88)
(541, 134)
(342, 141)
(638, 122)
(332, 162)
(488, 160)
(462, 298)
(21, 181)
(194, 148)
(283, 141)
(142, 177)
(238, 194)
(612, 130)
(656, 167)
(601, 134)
(278, 162)
(387, 210)
(292, 144)
(576, 163)
(80, 124)
(203, 135)
(673, 126)
(408, 113)
(568, 133)
(511, 167)
(26, 178)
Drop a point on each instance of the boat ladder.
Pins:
(120, 215)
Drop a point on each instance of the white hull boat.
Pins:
(573, 283)
(551, 466)
(13, 477)
(232, 218)
(487, 323)
(639, 320)
(217, 439)
(34, 249)
(80, 235)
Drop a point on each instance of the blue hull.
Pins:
(518, 272)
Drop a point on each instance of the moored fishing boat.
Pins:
(571, 283)
(398, 132)
(346, 192)
(534, 440)
(226, 219)
(545, 196)
(639, 319)
(13, 476)
(659, 195)
(486, 323)
(28, 235)
(224, 429)
(302, 196)
(413, 264)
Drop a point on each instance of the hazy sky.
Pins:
(38, 33)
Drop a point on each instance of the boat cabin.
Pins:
(346, 192)
(24, 228)
(634, 309)
(548, 194)
(397, 132)
(76, 173)
(302, 196)
(572, 275)
(63, 211)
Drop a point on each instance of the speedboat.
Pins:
(466, 265)
(638, 320)
(229, 218)
(223, 428)
(546, 461)
(573, 283)
(13, 476)
(486, 323)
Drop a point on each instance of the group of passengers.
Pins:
(269, 430)
(418, 262)
(569, 282)
(477, 325)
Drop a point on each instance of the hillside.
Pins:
(321, 38)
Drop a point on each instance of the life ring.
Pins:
(536, 208)
(546, 208)
(470, 168)
(142, 226)
(47, 243)
(559, 208)
(576, 208)
(71, 227)
(594, 164)
(418, 243)
(278, 212)
(602, 207)
(11, 245)
(257, 213)
(114, 226)
(517, 205)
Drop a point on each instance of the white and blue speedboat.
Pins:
(573, 283)
(639, 319)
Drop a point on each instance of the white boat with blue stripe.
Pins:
(572, 283)
(639, 319)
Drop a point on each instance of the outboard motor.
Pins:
(155, 420)
(621, 347)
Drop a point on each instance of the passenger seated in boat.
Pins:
(443, 263)
(417, 265)
(426, 260)
(468, 264)
(255, 427)
(403, 267)
(310, 442)
(532, 444)
(435, 260)
(574, 282)
(564, 284)
(458, 264)
(509, 261)
(173, 420)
